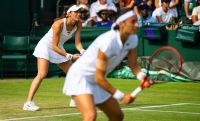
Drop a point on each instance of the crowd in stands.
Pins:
(102, 13)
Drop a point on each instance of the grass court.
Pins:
(173, 101)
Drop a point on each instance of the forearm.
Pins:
(78, 45)
(105, 84)
(135, 68)
(59, 51)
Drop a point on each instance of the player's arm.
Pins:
(135, 68)
(101, 65)
(78, 43)
(57, 28)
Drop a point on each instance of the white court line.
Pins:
(125, 109)
(170, 111)
(159, 106)
(35, 117)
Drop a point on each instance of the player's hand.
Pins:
(127, 99)
(75, 57)
(148, 82)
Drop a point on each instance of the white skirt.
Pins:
(43, 51)
(77, 84)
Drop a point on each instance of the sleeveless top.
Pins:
(44, 47)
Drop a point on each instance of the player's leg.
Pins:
(42, 65)
(112, 109)
(85, 104)
(65, 66)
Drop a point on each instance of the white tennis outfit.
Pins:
(44, 47)
(81, 75)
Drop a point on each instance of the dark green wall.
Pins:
(189, 52)
(15, 17)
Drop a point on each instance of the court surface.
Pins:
(173, 101)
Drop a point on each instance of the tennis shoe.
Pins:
(30, 106)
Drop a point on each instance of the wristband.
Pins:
(141, 75)
(118, 95)
(82, 51)
(69, 56)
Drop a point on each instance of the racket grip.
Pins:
(136, 91)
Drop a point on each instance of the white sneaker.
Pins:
(30, 106)
(72, 103)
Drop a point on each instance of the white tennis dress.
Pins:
(81, 75)
(44, 47)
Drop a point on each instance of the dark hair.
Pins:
(103, 10)
(197, 3)
(121, 12)
(166, 1)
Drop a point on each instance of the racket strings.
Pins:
(166, 60)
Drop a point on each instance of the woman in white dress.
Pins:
(86, 79)
(50, 49)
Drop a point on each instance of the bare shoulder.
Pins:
(58, 24)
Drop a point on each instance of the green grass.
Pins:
(149, 105)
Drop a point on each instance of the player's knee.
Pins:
(90, 116)
(41, 75)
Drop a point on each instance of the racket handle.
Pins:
(136, 91)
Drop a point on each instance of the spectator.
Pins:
(98, 5)
(84, 11)
(145, 14)
(165, 15)
(172, 6)
(104, 15)
(196, 14)
(124, 4)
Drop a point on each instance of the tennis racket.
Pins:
(164, 60)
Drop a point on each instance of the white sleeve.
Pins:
(194, 12)
(106, 48)
(134, 40)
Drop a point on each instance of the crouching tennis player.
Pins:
(86, 79)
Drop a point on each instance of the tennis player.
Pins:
(50, 49)
(86, 79)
